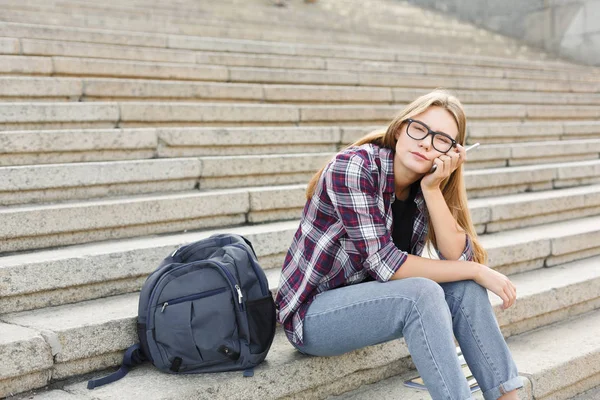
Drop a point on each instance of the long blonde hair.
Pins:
(453, 187)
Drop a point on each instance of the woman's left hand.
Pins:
(446, 164)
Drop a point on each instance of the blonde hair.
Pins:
(453, 187)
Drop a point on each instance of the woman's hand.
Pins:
(446, 164)
(497, 283)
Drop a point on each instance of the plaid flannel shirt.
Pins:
(345, 233)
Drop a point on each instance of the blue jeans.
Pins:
(426, 314)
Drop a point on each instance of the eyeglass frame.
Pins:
(430, 132)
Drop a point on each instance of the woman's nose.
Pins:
(425, 142)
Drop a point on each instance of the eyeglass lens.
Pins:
(418, 131)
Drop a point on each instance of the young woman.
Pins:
(354, 275)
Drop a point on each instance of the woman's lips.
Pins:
(420, 155)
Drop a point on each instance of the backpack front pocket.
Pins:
(214, 327)
(177, 319)
(173, 334)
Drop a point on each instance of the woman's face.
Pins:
(418, 155)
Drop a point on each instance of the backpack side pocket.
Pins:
(261, 322)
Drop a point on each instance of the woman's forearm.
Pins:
(437, 270)
(449, 235)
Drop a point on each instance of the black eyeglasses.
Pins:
(440, 141)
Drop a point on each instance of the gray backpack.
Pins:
(206, 308)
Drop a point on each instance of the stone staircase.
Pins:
(130, 128)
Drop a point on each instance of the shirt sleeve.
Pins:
(354, 195)
(467, 254)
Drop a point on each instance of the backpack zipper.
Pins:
(255, 267)
(234, 286)
(192, 297)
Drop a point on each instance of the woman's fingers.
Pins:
(514, 292)
(448, 163)
(462, 153)
(454, 160)
(440, 166)
(508, 294)
(511, 295)
(506, 301)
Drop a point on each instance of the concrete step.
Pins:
(245, 14)
(442, 38)
(552, 143)
(115, 267)
(101, 269)
(42, 115)
(61, 182)
(83, 145)
(501, 213)
(252, 14)
(27, 359)
(184, 49)
(119, 315)
(391, 79)
(437, 64)
(391, 388)
(19, 116)
(92, 335)
(47, 40)
(97, 89)
(519, 179)
(74, 221)
(420, 63)
(538, 131)
(556, 362)
(110, 60)
(412, 64)
(34, 184)
(588, 395)
(16, 65)
(533, 153)
(9, 46)
(84, 221)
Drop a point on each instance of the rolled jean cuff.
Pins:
(503, 388)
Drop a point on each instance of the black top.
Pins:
(403, 212)
(403, 215)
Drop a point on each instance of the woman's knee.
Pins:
(467, 289)
(428, 290)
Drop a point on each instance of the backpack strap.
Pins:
(133, 356)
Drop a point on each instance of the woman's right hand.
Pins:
(497, 283)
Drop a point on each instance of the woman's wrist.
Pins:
(476, 269)
(429, 189)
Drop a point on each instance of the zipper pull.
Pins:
(164, 306)
(176, 250)
(240, 296)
